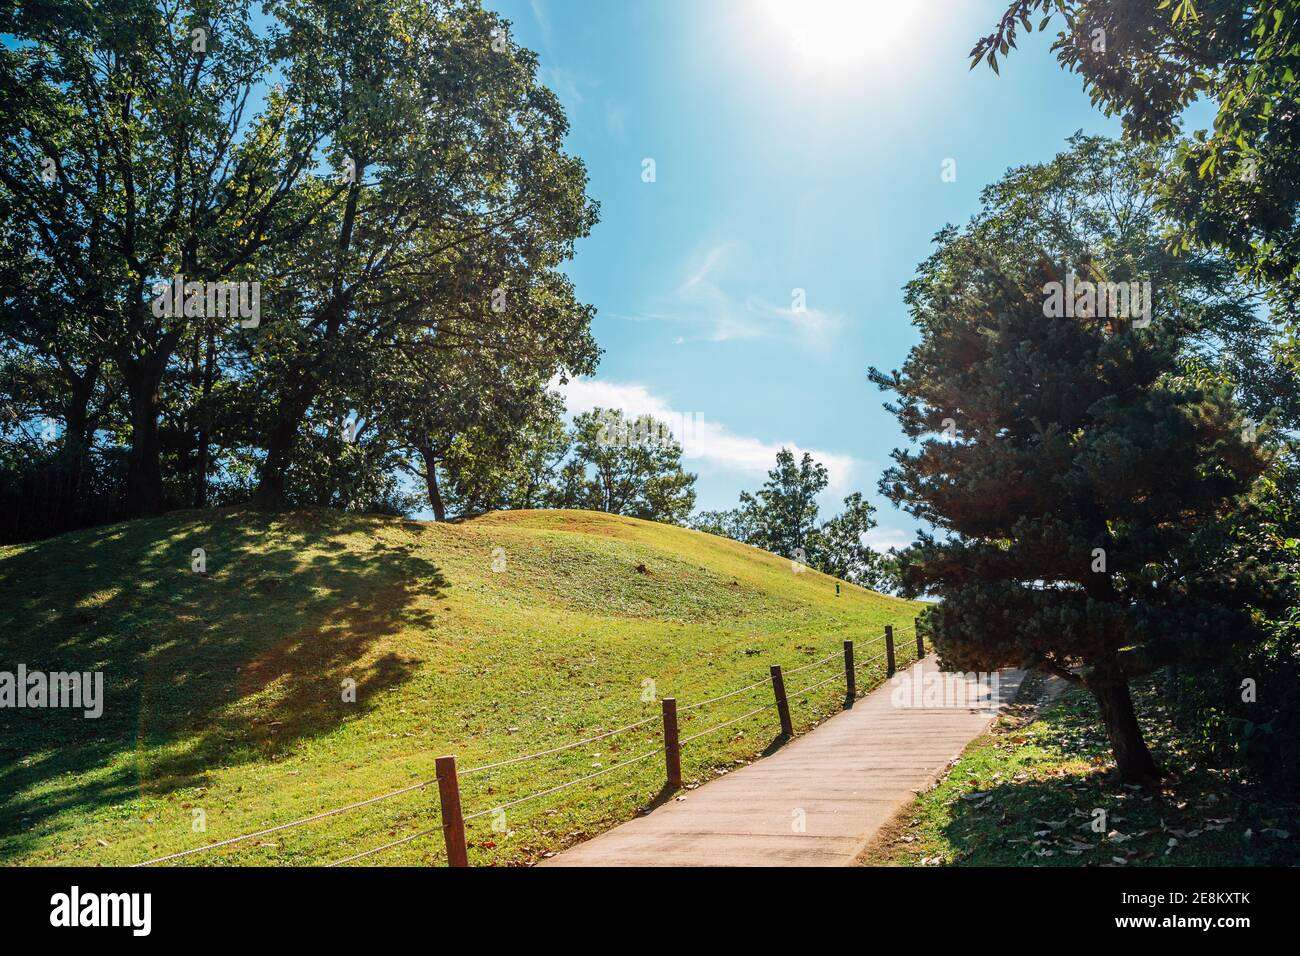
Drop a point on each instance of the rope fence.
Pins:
(452, 820)
(726, 723)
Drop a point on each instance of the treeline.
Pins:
(280, 253)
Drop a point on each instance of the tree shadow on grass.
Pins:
(1073, 810)
(200, 671)
(1053, 823)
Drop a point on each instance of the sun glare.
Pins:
(840, 33)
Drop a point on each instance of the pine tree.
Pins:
(1078, 481)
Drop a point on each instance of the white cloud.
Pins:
(701, 438)
(710, 262)
(812, 326)
(882, 539)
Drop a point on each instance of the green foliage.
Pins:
(726, 523)
(838, 547)
(1081, 487)
(631, 467)
(1071, 435)
(1243, 710)
(1093, 206)
(783, 512)
(491, 469)
(1235, 187)
(1233, 190)
(392, 174)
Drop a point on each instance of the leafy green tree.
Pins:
(1081, 486)
(572, 489)
(346, 461)
(392, 174)
(839, 547)
(460, 206)
(1095, 205)
(631, 467)
(494, 468)
(1234, 187)
(783, 513)
(127, 156)
(56, 394)
(782, 518)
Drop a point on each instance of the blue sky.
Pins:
(792, 150)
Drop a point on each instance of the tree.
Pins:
(493, 468)
(1235, 187)
(391, 176)
(631, 467)
(1081, 485)
(782, 518)
(1095, 205)
(461, 205)
(734, 523)
(783, 513)
(127, 157)
(839, 548)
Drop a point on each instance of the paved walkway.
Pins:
(842, 781)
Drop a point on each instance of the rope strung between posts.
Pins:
(563, 786)
(386, 796)
(386, 846)
(820, 683)
(362, 803)
(868, 660)
(714, 700)
(500, 807)
(768, 680)
(728, 723)
(804, 667)
(287, 826)
(555, 750)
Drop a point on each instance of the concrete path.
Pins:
(842, 781)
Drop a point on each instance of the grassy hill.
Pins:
(224, 691)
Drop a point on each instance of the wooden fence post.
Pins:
(672, 747)
(850, 680)
(920, 641)
(453, 825)
(889, 650)
(782, 705)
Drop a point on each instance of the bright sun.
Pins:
(838, 33)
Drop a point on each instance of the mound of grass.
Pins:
(227, 693)
(1040, 790)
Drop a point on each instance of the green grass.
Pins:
(1026, 794)
(223, 691)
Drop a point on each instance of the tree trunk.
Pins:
(279, 446)
(270, 480)
(431, 482)
(204, 455)
(1132, 757)
(144, 488)
(142, 375)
